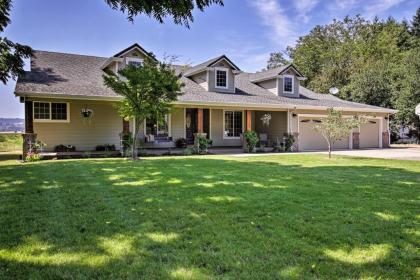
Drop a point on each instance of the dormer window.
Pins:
(288, 83)
(136, 62)
(221, 77)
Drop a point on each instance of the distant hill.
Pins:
(12, 124)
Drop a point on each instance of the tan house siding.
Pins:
(177, 123)
(217, 130)
(277, 127)
(104, 127)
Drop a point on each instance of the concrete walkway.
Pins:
(404, 153)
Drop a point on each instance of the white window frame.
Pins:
(169, 116)
(223, 69)
(133, 59)
(224, 125)
(293, 83)
(50, 120)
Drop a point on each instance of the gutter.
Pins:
(198, 103)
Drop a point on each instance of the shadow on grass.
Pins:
(207, 217)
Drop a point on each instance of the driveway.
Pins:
(404, 153)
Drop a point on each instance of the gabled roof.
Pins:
(133, 46)
(209, 63)
(273, 73)
(62, 75)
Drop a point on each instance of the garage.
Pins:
(369, 134)
(310, 140)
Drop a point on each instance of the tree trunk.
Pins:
(329, 150)
(134, 146)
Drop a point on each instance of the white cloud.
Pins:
(281, 28)
(380, 6)
(303, 8)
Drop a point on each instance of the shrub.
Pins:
(64, 148)
(188, 151)
(181, 143)
(290, 140)
(251, 140)
(202, 144)
(32, 156)
(105, 148)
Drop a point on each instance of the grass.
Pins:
(10, 142)
(277, 217)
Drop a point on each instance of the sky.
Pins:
(245, 30)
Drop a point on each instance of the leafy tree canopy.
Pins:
(148, 91)
(276, 59)
(375, 62)
(180, 10)
(11, 54)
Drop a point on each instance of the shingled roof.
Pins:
(79, 76)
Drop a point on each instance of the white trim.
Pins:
(222, 69)
(230, 64)
(50, 120)
(288, 121)
(224, 129)
(185, 123)
(293, 84)
(133, 59)
(381, 144)
(134, 47)
(209, 123)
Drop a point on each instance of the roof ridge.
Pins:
(67, 53)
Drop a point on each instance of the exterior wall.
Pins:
(216, 130)
(231, 77)
(296, 83)
(201, 79)
(104, 127)
(177, 123)
(276, 129)
(270, 85)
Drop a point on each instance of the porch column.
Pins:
(248, 120)
(200, 126)
(29, 137)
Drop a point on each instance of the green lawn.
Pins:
(277, 217)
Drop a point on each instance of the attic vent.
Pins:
(372, 122)
(305, 121)
(316, 121)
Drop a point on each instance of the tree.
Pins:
(276, 60)
(415, 24)
(334, 127)
(11, 54)
(180, 11)
(148, 90)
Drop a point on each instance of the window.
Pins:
(50, 111)
(157, 129)
(288, 84)
(134, 61)
(232, 124)
(221, 78)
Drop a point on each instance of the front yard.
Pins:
(288, 216)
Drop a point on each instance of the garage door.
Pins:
(310, 140)
(369, 134)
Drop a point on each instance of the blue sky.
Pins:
(245, 30)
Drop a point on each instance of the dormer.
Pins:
(134, 55)
(217, 74)
(281, 81)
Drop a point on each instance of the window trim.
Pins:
(293, 83)
(50, 120)
(224, 69)
(224, 124)
(169, 123)
(133, 59)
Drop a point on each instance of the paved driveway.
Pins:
(405, 153)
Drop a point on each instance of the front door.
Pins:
(190, 125)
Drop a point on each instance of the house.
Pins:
(67, 103)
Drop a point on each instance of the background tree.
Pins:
(276, 60)
(373, 62)
(180, 10)
(148, 90)
(335, 128)
(12, 54)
